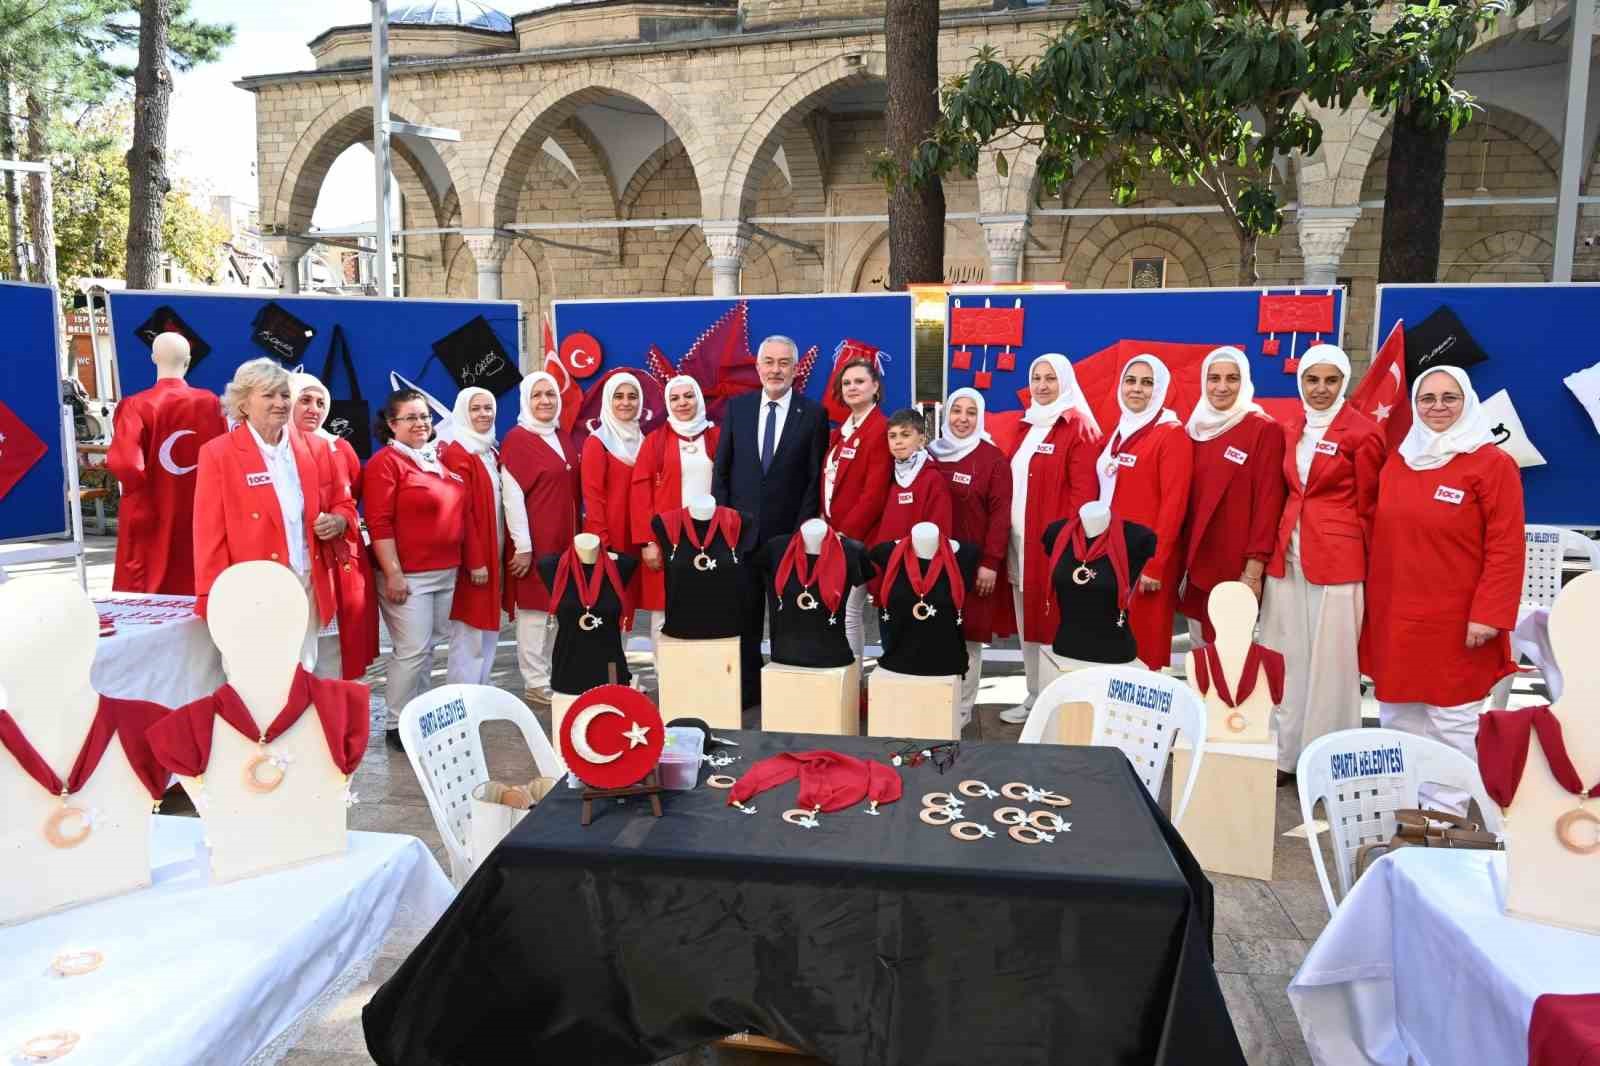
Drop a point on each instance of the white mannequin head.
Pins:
(257, 617)
(1233, 610)
(811, 534)
(1096, 517)
(170, 354)
(53, 627)
(588, 547)
(702, 507)
(925, 539)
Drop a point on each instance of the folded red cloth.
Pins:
(1565, 1031)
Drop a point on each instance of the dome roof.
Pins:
(468, 13)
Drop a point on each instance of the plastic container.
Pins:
(680, 758)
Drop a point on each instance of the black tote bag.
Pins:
(474, 356)
(280, 333)
(349, 419)
(165, 320)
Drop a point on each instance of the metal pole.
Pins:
(381, 270)
(1572, 137)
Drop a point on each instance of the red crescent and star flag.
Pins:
(1384, 395)
(612, 736)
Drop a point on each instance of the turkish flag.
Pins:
(20, 448)
(1383, 394)
(1100, 376)
(571, 394)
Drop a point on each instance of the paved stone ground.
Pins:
(1263, 929)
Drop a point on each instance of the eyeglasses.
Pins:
(411, 419)
(943, 756)
(1449, 399)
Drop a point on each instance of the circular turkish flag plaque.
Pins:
(612, 736)
(581, 354)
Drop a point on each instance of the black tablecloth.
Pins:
(866, 940)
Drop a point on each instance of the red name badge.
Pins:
(847, 453)
(263, 478)
(1327, 447)
(1046, 449)
(907, 497)
(961, 479)
(1449, 495)
(1234, 455)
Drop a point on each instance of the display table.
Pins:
(160, 653)
(214, 974)
(867, 940)
(1420, 961)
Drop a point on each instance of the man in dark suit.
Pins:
(769, 464)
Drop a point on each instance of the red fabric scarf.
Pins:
(829, 781)
(182, 740)
(1113, 542)
(1208, 665)
(1564, 1030)
(724, 520)
(829, 571)
(1503, 752)
(128, 720)
(589, 589)
(904, 555)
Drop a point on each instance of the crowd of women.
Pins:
(1405, 566)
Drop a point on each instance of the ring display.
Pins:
(1026, 834)
(1016, 790)
(720, 781)
(76, 963)
(1046, 821)
(938, 815)
(970, 831)
(975, 789)
(1011, 816)
(1055, 799)
(941, 800)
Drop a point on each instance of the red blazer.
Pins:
(424, 514)
(927, 500)
(1235, 501)
(607, 501)
(980, 500)
(354, 587)
(658, 488)
(237, 522)
(477, 605)
(866, 470)
(350, 462)
(553, 493)
(1061, 479)
(1153, 490)
(1447, 549)
(1335, 506)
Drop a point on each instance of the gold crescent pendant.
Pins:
(1565, 831)
(805, 601)
(1235, 722)
(923, 611)
(704, 562)
(589, 622)
(253, 779)
(55, 831)
(1083, 574)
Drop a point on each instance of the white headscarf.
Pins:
(299, 383)
(949, 448)
(1424, 449)
(464, 435)
(426, 457)
(622, 439)
(546, 431)
(1070, 395)
(1326, 355)
(1208, 423)
(1132, 422)
(696, 425)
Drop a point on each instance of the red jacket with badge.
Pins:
(1334, 508)
(862, 480)
(926, 499)
(1153, 490)
(980, 500)
(477, 605)
(424, 513)
(237, 519)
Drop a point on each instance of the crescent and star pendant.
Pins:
(589, 622)
(704, 562)
(55, 827)
(805, 601)
(638, 734)
(1566, 827)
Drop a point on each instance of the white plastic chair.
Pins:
(1362, 776)
(1143, 733)
(440, 730)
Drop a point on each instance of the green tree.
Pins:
(916, 211)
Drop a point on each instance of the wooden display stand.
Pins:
(802, 699)
(1233, 611)
(908, 705)
(1074, 721)
(257, 617)
(1546, 882)
(1230, 824)
(51, 630)
(699, 679)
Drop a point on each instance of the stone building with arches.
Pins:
(679, 147)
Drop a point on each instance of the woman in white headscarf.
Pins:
(1143, 474)
(473, 455)
(541, 493)
(609, 457)
(1236, 490)
(980, 501)
(1315, 592)
(673, 467)
(1052, 475)
(1446, 572)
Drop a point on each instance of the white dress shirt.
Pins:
(291, 500)
(781, 412)
(696, 467)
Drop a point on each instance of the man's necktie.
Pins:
(769, 435)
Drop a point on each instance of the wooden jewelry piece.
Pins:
(1054, 799)
(50, 1046)
(1011, 816)
(1567, 825)
(970, 831)
(801, 817)
(55, 826)
(938, 815)
(720, 781)
(941, 800)
(976, 789)
(1047, 822)
(252, 771)
(76, 963)
(1016, 790)
(1027, 834)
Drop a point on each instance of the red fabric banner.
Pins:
(20, 448)
(1295, 314)
(986, 325)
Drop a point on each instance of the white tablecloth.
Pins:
(215, 974)
(171, 663)
(1420, 961)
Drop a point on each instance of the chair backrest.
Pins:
(1362, 776)
(1546, 549)
(1136, 710)
(440, 730)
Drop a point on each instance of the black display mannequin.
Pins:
(930, 647)
(1089, 613)
(698, 599)
(581, 657)
(812, 637)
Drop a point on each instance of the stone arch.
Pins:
(648, 169)
(787, 108)
(1332, 175)
(524, 136)
(1511, 255)
(1110, 241)
(1014, 193)
(1509, 124)
(688, 268)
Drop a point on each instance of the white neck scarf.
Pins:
(949, 448)
(1208, 423)
(1132, 422)
(299, 383)
(546, 431)
(1425, 449)
(622, 439)
(906, 470)
(469, 438)
(695, 425)
(1070, 395)
(427, 456)
(1324, 355)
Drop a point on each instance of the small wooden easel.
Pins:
(650, 786)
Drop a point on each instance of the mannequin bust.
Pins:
(1096, 518)
(702, 508)
(811, 533)
(170, 354)
(1233, 610)
(587, 546)
(924, 539)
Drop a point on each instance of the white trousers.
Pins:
(535, 638)
(1317, 629)
(415, 626)
(855, 628)
(471, 654)
(969, 684)
(1030, 650)
(1456, 726)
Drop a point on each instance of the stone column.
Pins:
(727, 241)
(1006, 236)
(288, 251)
(489, 251)
(1324, 234)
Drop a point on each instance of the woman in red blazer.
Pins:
(1236, 492)
(856, 471)
(475, 611)
(674, 466)
(980, 500)
(1144, 474)
(1052, 475)
(265, 491)
(1315, 581)
(541, 492)
(1445, 577)
(347, 653)
(609, 457)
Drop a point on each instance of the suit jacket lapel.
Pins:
(796, 402)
